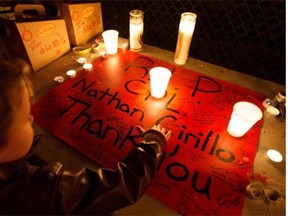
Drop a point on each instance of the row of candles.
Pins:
(244, 114)
(136, 29)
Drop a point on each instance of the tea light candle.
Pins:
(88, 66)
(71, 73)
(272, 110)
(58, 79)
(103, 54)
(82, 60)
(274, 155)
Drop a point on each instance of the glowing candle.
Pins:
(58, 79)
(159, 79)
(71, 73)
(185, 33)
(272, 110)
(243, 117)
(81, 60)
(274, 155)
(136, 28)
(88, 66)
(111, 41)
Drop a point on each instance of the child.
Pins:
(29, 188)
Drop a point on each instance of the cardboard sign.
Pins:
(38, 39)
(207, 170)
(44, 41)
(38, 42)
(83, 21)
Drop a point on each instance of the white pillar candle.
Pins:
(159, 79)
(243, 117)
(136, 29)
(185, 33)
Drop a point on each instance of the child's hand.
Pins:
(158, 128)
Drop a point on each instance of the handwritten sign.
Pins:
(207, 170)
(83, 21)
(44, 41)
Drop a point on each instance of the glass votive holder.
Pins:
(185, 34)
(243, 117)
(159, 79)
(95, 48)
(272, 196)
(255, 190)
(136, 28)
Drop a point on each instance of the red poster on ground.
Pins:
(207, 170)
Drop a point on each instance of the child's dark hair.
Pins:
(11, 74)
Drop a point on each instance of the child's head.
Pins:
(16, 132)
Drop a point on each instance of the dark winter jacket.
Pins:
(27, 188)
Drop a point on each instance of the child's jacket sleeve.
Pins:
(104, 190)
